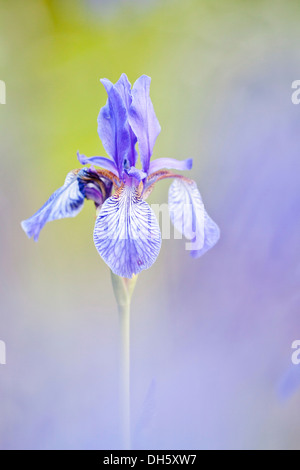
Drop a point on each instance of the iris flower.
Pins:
(127, 235)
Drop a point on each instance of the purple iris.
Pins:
(127, 235)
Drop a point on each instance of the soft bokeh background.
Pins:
(211, 338)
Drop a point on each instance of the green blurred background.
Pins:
(211, 338)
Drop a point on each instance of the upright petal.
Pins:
(113, 127)
(107, 84)
(124, 88)
(189, 217)
(143, 120)
(127, 235)
(67, 201)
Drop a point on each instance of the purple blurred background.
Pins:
(211, 338)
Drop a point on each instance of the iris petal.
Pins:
(103, 162)
(136, 173)
(113, 127)
(127, 235)
(107, 84)
(171, 164)
(190, 218)
(67, 201)
(124, 88)
(94, 186)
(211, 236)
(143, 120)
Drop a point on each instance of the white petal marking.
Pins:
(127, 235)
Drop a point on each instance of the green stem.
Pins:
(124, 367)
(123, 289)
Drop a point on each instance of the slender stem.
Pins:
(124, 367)
(123, 289)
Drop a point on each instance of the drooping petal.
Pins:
(189, 217)
(94, 185)
(211, 237)
(127, 235)
(92, 192)
(123, 86)
(171, 164)
(143, 120)
(103, 162)
(187, 209)
(113, 127)
(67, 201)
